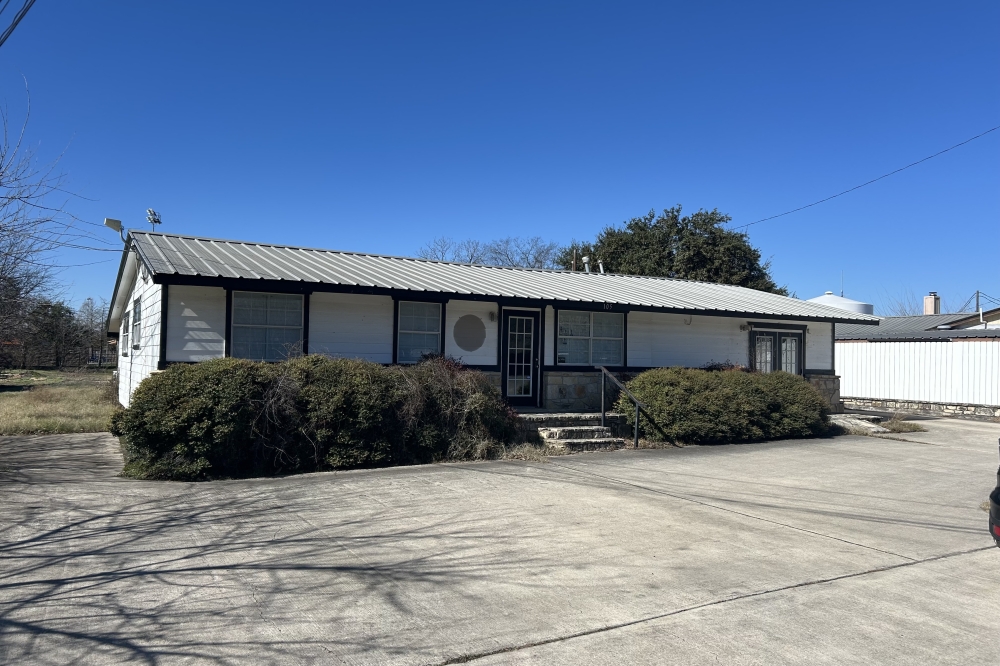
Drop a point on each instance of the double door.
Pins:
(777, 350)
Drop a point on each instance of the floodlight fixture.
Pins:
(114, 225)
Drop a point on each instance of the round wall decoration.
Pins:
(470, 332)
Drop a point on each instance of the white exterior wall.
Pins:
(819, 346)
(959, 372)
(196, 323)
(662, 340)
(487, 353)
(142, 362)
(351, 326)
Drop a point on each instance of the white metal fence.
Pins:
(963, 371)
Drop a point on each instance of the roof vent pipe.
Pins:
(600, 265)
(586, 264)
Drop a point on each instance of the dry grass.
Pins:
(985, 506)
(55, 403)
(897, 424)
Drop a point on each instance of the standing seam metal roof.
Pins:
(169, 254)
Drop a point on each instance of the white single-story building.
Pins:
(542, 334)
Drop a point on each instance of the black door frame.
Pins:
(536, 366)
(776, 348)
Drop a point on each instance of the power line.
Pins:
(17, 19)
(873, 180)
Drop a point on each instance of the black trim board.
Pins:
(765, 325)
(286, 286)
(228, 344)
(161, 364)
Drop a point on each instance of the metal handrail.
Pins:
(606, 373)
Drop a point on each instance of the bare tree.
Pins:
(31, 227)
(445, 249)
(905, 303)
(512, 252)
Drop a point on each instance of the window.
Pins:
(266, 327)
(590, 338)
(763, 352)
(419, 331)
(125, 329)
(774, 351)
(136, 323)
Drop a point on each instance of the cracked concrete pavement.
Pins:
(850, 550)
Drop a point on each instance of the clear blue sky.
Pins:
(376, 127)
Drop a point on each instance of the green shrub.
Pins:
(706, 407)
(230, 418)
(192, 421)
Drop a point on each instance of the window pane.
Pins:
(419, 316)
(607, 352)
(414, 345)
(609, 324)
(249, 342)
(576, 324)
(282, 343)
(249, 309)
(284, 310)
(790, 355)
(573, 350)
(137, 311)
(764, 358)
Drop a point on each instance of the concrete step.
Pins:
(575, 432)
(596, 444)
(570, 419)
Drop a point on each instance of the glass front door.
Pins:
(520, 357)
(773, 350)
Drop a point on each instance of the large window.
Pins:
(419, 331)
(590, 338)
(266, 327)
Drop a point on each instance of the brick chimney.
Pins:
(932, 304)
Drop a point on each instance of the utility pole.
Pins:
(977, 300)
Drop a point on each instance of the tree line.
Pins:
(666, 244)
(37, 327)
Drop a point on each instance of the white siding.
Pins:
(819, 346)
(485, 355)
(550, 335)
(196, 323)
(966, 372)
(663, 340)
(351, 326)
(142, 362)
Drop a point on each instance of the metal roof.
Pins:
(927, 336)
(169, 254)
(902, 326)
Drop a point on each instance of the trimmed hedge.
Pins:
(711, 407)
(230, 418)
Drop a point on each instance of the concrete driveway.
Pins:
(849, 550)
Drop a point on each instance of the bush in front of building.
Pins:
(232, 418)
(694, 406)
(194, 421)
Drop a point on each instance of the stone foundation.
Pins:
(828, 387)
(572, 391)
(978, 412)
